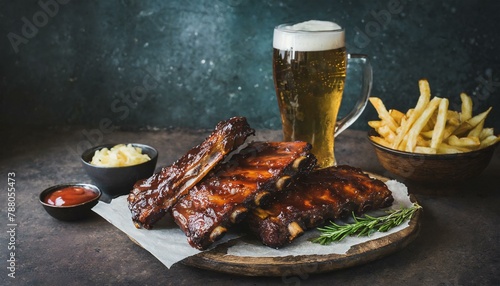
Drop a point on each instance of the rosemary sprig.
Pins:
(365, 226)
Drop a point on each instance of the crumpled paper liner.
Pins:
(169, 245)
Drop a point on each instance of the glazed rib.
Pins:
(151, 198)
(245, 181)
(323, 195)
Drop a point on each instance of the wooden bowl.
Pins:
(433, 168)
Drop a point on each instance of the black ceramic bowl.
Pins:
(117, 181)
(71, 212)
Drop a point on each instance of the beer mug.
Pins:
(309, 69)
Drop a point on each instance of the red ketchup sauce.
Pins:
(70, 196)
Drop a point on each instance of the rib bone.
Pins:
(217, 233)
(295, 230)
(283, 182)
(238, 214)
(260, 197)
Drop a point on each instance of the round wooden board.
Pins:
(217, 259)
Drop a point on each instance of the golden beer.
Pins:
(309, 81)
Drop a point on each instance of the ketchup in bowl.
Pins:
(70, 196)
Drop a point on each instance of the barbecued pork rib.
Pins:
(151, 198)
(312, 200)
(245, 181)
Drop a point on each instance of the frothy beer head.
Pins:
(309, 36)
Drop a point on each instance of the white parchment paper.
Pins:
(169, 245)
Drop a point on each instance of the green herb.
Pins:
(365, 226)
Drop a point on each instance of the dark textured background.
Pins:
(188, 64)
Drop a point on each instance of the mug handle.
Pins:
(350, 118)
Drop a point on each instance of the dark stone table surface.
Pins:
(458, 243)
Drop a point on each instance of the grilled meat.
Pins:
(151, 198)
(312, 200)
(230, 190)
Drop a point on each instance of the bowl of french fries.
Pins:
(431, 143)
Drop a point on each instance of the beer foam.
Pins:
(297, 37)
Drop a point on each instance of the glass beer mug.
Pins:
(310, 62)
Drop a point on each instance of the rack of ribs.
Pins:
(323, 195)
(153, 197)
(247, 180)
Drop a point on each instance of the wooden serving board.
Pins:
(217, 259)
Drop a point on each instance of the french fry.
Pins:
(462, 129)
(469, 142)
(478, 118)
(397, 115)
(422, 142)
(466, 107)
(419, 124)
(425, 150)
(453, 117)
(423, 100)
(380, 141)
(447, 149)
(486, 132)
(409, 112)
(476, 131)
(375, 124)
(438, 132)
(383, 113)
(386, 133)
(490, 140)
(454, 122)
(430, 123)
(427, 134)
(448, 130)
(468, 125)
